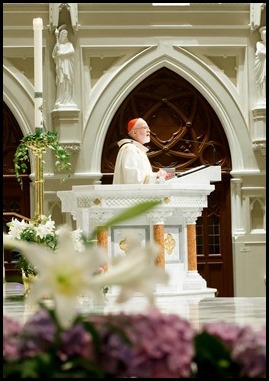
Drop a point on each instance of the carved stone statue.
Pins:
(64, 57)
(260, 64)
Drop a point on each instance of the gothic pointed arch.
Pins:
(185, 130)
(185, 133)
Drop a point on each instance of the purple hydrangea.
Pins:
(115, 350)
(228, 333)
(148, 345)
(161, 346)
(250, 352)
(38, 334)
(248, 347)
(76, 341)
(11, 338)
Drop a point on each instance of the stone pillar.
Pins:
(190, 220)
(191, 246)
(66, 124)
(158, 235)
(238, 227)
(259, 130)
(98, 221)
(102, 238)
(193, 280)
(158, 219)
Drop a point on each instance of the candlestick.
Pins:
(38, 73)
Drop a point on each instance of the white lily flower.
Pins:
(16, 227)
(66, 274)
(45, 227)
(135, 272)
(50, 224)
(63, 275)
(41, 231)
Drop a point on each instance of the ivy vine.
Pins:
(40, 141)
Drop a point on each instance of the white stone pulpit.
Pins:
(171, 223)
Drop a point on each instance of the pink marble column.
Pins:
(102, 241)
(191, 245)
(158, 234)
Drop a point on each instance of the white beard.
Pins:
(146, 139)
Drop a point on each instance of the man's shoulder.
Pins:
(124, 142)
(130, 144)
(127, 143)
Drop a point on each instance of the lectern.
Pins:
(171, 224)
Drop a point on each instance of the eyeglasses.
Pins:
(143, 128)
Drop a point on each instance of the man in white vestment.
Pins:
(132, 163)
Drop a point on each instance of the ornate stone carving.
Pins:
(190, 216)
(169, 243)
(260, 146)
(159, 217)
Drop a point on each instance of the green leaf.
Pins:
(127, 214)
(42, 141)
(213, 358)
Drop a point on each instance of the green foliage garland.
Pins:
(40, 141)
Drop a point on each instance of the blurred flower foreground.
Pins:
(58, 341)
(41, 231)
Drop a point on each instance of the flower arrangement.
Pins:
(60, 342)
(41, 230)
(144, 345)
(40, 141)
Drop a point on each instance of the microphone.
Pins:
(206, 144)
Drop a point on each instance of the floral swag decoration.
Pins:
(59, 341)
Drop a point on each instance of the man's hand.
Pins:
(169, 175)
(161, 174)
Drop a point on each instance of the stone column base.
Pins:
(194, 281)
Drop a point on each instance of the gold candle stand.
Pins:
(38, 150)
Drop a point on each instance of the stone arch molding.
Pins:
(220, 93)
(214, 86)
(18, 95)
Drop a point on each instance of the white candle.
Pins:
(38, 72)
